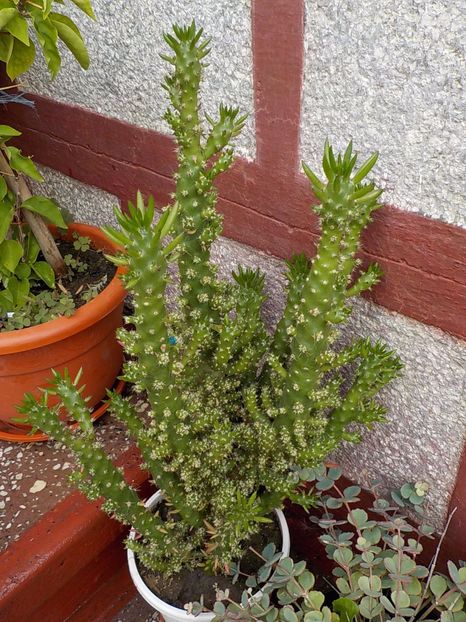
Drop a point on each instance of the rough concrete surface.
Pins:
(126, 70)
(390, 74)
(427, 406)
(84, 203)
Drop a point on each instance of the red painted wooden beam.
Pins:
(278, 61)
(423, 260)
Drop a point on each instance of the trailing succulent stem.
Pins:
(233, 410)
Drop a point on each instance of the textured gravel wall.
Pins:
(427, 415)
(126, 69)
(390, 74)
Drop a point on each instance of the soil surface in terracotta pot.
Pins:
(96, 273)
(188, 585)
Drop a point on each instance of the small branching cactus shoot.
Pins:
(234, 409)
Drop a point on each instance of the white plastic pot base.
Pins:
(170, 613)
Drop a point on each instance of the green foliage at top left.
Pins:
(19, 19)
(28, 254)
(21, 266)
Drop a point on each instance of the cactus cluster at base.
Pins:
(234, 410)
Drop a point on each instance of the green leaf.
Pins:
(11, 252)
(346, 608)
(461, 583)
(369, 608)
(3, 188)
(44, 272)
(400, 599)
(6, 216)
(343, 556)
(6, 47)
(351, 493)
(390, 564)
(219, 608)
(48, 36)
(21, 164)
(315, 181)
(47, 8)
(23, 270)
(19, 289)
(288, 614)
(85, 5)
(71, 37)
(46, 208)
(453, 601)
(343, 586)
(334, 473)
(6, 131)
(358, 518)
(407, 565)
(325, 484)
(32, 248)
(6, 15)
(18, 27)
(6, 301)
(315, 599)
(406, 490)
(20, 59)
(306, 580)
(365, 168)
(414, 588)
(64, 19)
(438, 585)
(371, 586)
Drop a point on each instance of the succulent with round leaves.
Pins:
(376, 553)
(377, 573)
(233, 408)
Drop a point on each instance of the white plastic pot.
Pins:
(170, 613)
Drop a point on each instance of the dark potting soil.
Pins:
(98, 273)
(188, 585)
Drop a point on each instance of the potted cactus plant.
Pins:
(41, 326)
(236, 413)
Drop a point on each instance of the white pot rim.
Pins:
(169, 612)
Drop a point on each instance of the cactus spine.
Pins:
(234, 410)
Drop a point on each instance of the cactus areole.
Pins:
(237, 412)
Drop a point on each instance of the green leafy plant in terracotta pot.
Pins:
(39, 321)
(233, 408)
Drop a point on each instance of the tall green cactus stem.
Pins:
(200, 162)
(99, 476)
(345, 210)
(234, 411)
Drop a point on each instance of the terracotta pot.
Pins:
(85, 340)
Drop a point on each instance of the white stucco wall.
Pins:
(126, 70)
(424, 435)
(390, 74)
(83, 203)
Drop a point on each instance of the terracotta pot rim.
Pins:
(63, 327)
